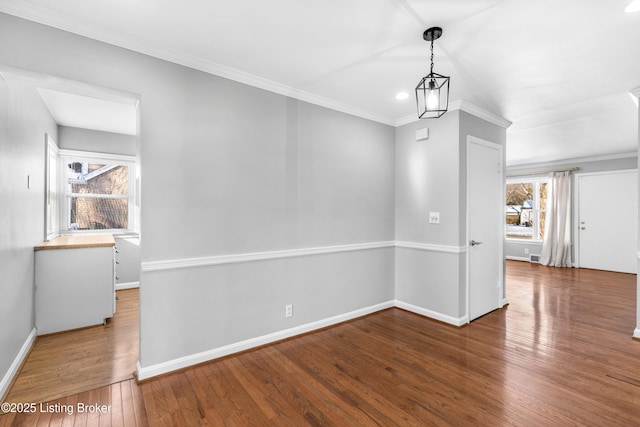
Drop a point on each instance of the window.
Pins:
(526, 201)
(98, 192)
(51, 187)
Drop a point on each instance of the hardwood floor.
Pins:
(83, 359)
(560, 354)
(118, 404)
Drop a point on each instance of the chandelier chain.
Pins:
(431, 56)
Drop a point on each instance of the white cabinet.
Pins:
(128, 261)
(75, 282)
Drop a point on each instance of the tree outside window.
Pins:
(525, 206)
(98, 194)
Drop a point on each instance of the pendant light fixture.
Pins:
(432, 93)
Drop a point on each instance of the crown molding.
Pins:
(406, 120)
(545, 165)
(46, 81)
(45, 17)
(467, 107)
(481, 113)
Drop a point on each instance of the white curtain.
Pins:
(556, 244)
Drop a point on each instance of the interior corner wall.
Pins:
(230, 171)
(24, 121)
(431, 176)
(428, 256)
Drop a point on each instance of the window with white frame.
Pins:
(525, 206)
(98, 192)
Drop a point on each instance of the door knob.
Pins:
(474, 243)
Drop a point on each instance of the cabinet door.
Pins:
(74, 288)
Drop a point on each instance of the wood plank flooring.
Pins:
(75, 361)
(118, 404)
(560, 354)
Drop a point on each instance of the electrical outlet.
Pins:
(526, 251)
(434, 217)
(288, 310)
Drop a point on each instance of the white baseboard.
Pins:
(636, 333)
(128, 285)
(147, 372)
(17, 362)
(505, 301)
(517, 258)
(459, 321)
(205, 356)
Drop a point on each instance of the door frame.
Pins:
(575, 228)
(502, 299)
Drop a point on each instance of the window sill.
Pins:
(123, 234)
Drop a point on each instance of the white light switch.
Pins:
(434, 217)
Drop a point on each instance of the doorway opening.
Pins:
(88, 122)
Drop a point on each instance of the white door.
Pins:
(607, 225)
(485, 225)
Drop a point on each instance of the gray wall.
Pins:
(24, 120)
(431, 177)
(514, 249)
(427, 180)
(301, 176)
(231, 169)
(96, 141)
(196, 310)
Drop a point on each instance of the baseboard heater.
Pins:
(534, 258)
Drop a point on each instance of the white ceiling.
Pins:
(82, 105)
(561, 71)
(87, 112)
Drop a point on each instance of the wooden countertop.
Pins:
(77, 241)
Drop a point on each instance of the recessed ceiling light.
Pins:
(401, 96)
(634, 6)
